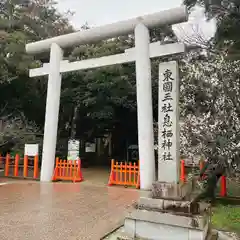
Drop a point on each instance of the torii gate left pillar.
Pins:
(141, 55)
(144, 107)
(52, 113)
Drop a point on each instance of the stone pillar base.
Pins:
(173, 191)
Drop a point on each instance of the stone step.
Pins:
(213, 235)
(196, 222)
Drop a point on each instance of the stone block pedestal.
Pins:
(164, 226)
(153, 222)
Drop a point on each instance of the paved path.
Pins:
(61, 211)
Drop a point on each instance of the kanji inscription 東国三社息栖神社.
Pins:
(168, 149)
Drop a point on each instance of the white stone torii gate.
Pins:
(141, 54)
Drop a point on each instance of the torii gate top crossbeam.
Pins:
(167, 17)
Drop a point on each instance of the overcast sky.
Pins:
(100, 12)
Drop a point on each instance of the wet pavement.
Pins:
(61, 211)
